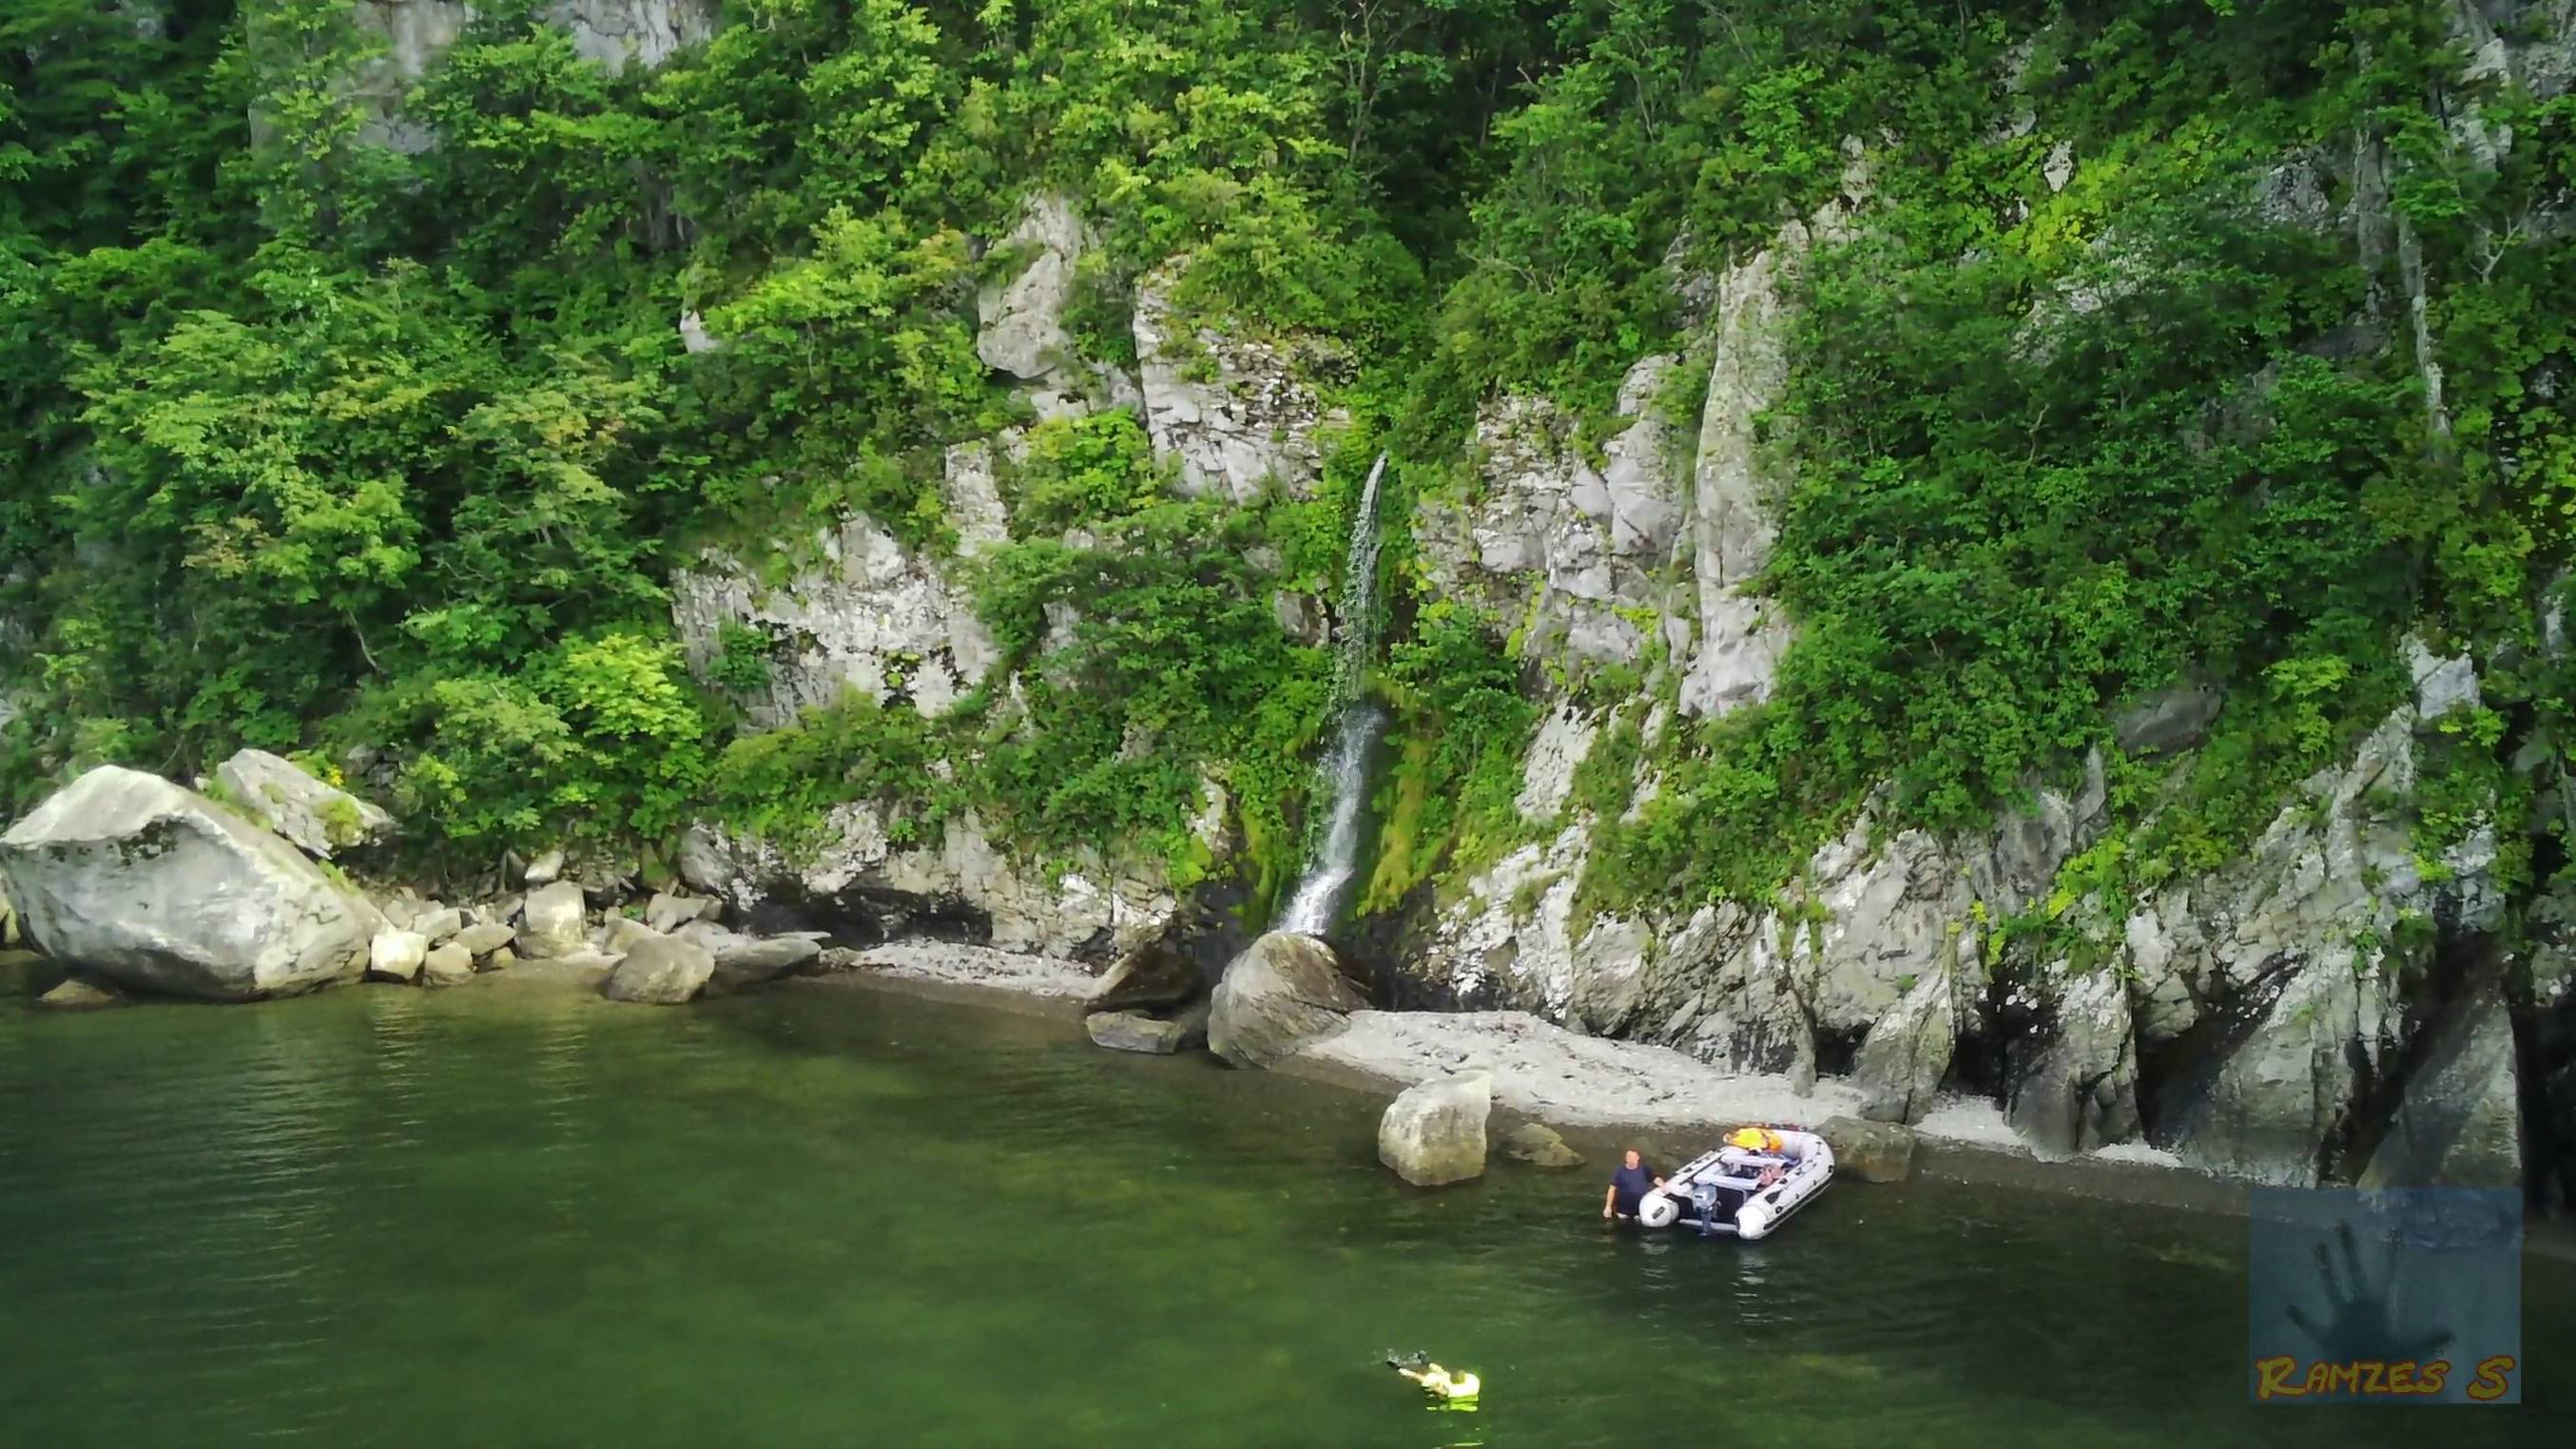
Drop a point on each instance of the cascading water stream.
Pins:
(1333, 857)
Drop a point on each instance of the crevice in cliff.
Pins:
(2462, 966)
(863, 916)
(2544, 1055)
(2175, 1076)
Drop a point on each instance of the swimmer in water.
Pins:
(1460, 1387)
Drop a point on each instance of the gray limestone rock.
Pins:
(485, 939)
(743, 961)
(1154, 975)
(1537, 1144)
(80, 993)
(160, 888)
(1280, 993)
(1434, 1133)
(448, 965)
(396, 955)
(316, 818)
(1138, 1031)
(552, 922)
(660, 971)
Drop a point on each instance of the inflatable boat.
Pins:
(1745, 1188)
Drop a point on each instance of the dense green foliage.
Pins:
(324, 442)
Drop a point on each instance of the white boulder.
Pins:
(157, 887)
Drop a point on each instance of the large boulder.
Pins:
(1907, 1052)
(1435, 1132)
(660, 971)
(1153, 975)
(2081, 1091)
(317, 818)
(158, 887)
(1284, 990)
(551, 922)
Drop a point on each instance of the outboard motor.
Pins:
(1704, 1199)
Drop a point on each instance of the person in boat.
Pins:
(1451, 1388)
(1629, 1185)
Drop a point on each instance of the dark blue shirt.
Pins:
(1631, 1183)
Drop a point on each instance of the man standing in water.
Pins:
(1630, 1183)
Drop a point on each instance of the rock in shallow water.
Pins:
(448, 965)
(80, 993)
(158, 887)
(1537, 1144)
(1152, 975)
(660, 971)
(744, 961)
(1137, 1031)
(1870, 1151)
(396, 955)
(1284, 990)
(1435, 1132)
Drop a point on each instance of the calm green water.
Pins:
(826, 1216)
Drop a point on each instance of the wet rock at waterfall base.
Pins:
(1153, 975)
(1434, 1133)
(1283, 991)
(1137, 1031)
(1870, 1151)
(1537, 1144)
(2458, 1123)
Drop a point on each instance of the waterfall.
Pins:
(1333, 857)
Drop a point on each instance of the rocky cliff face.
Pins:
(414, 33)
(2283, 1019)
(872, 618)
(2316, 1010)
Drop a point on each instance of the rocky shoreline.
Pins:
(136, 884)
(1598, 1094)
